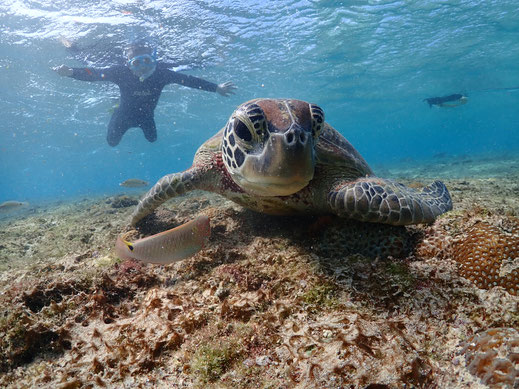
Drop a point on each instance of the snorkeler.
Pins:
(445, 101)
(140, 82)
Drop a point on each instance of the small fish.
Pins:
(10, 205)
(134, 183)
(168, 246)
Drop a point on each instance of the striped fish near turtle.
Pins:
(279, 156)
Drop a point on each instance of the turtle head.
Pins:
(268, 145)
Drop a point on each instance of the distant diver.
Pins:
(449, 101)
(140, 81)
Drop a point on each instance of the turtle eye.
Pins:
(249, 126)
(317, 120)
(242, 131)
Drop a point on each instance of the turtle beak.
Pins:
(285, 166)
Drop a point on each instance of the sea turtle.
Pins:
(279, 156)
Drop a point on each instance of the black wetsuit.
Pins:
(138, 99)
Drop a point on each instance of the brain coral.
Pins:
(493, 356)
(489, 256)
(487, 249)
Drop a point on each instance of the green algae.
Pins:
(211, 361)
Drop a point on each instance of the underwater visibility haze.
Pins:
(368, 64)
(393, 264)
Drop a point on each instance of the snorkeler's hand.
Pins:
(226, 88)
(63, 70)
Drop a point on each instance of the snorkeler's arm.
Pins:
(95, 74)
(224, 89)
(171, 77)
(90, 74)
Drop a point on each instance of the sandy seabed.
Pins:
(271, 302)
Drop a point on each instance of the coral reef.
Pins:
(489, 256)
(487, 251)
(122, 201)
(368, 239)
(493, 356)
(284, 302)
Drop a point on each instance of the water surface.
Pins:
(368, 64)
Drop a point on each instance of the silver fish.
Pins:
(10, 205)
(134, 183)
(168, 246)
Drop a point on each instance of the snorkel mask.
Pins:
(143, 65)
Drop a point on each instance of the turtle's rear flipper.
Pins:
(374, 199)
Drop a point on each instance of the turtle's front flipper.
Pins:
(374, 199)
(169, 186)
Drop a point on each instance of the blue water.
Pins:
(368, 64)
